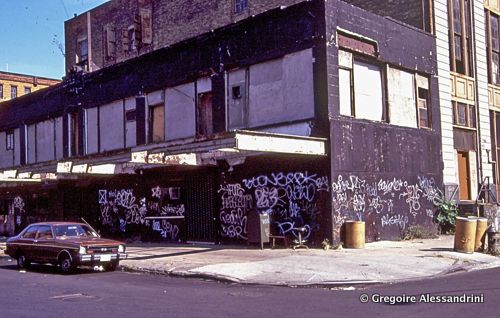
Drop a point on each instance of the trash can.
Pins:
(354, 234)
(481, 228)
(465, 234)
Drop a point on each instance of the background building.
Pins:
(13, 85)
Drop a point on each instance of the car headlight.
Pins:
(121, 248)
(83, 250)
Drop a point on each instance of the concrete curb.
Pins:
(462, 267)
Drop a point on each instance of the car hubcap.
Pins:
(66, 264)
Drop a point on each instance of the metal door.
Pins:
(201, 208)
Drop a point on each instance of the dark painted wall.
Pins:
(293, 190)
(383, 174)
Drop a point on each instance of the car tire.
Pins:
(22, 262)
(111, 267)
(66, 264)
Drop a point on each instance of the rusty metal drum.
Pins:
(354, 234)
(481, 228)
(465, 234)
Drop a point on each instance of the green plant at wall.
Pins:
(446, 214)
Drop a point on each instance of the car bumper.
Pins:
(100, 258)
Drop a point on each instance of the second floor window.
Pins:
(460, 37)
(360, 86)
(82, 50)
(13, 91)
(1, 91)
(27, 90)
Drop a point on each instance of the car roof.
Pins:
(58, 223)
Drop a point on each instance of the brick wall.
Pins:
(172, 22)
(7, 80)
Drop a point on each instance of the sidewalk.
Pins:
(379, 262)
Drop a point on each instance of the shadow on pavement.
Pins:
(437, 249)
(168, 254)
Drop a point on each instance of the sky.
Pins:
(32, 34)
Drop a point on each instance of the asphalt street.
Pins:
(43, 292)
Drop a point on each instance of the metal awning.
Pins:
(233, 147)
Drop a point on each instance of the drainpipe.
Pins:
(476, 100)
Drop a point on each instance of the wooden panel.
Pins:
(492, 5)
(494, 97)
(462, 88)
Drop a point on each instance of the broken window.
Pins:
(240, 6)
(493, 47)
(423, 102)
(9, 142)
(460, 37)
(156, 123)
(360, 88)
(82, 52)
(205, 125)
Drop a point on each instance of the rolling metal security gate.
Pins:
(201, 208)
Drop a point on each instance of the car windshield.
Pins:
(74, 230)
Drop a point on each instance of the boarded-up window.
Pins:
(109, 41)
(205, 126)
(146, 26)
(157, 123)
(401, 97)
(368, 91)
(74, 132)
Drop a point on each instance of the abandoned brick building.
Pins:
(311, 112)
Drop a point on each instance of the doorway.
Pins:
(464, 175)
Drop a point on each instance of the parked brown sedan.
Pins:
(65, 244)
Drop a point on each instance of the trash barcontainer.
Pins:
(465, 234)
(481, 228)
(354, 234)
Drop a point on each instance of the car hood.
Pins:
(92, 241)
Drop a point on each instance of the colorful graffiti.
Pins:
(289, 198)
(356, 198)
(121, 208)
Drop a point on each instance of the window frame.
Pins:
(13, 91)
(469, 109)
(27, 90)
(383, 81)
(460, 29)
(1, 90)
(490, 50)
(240, 6)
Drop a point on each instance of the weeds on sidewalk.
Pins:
(418, 232)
